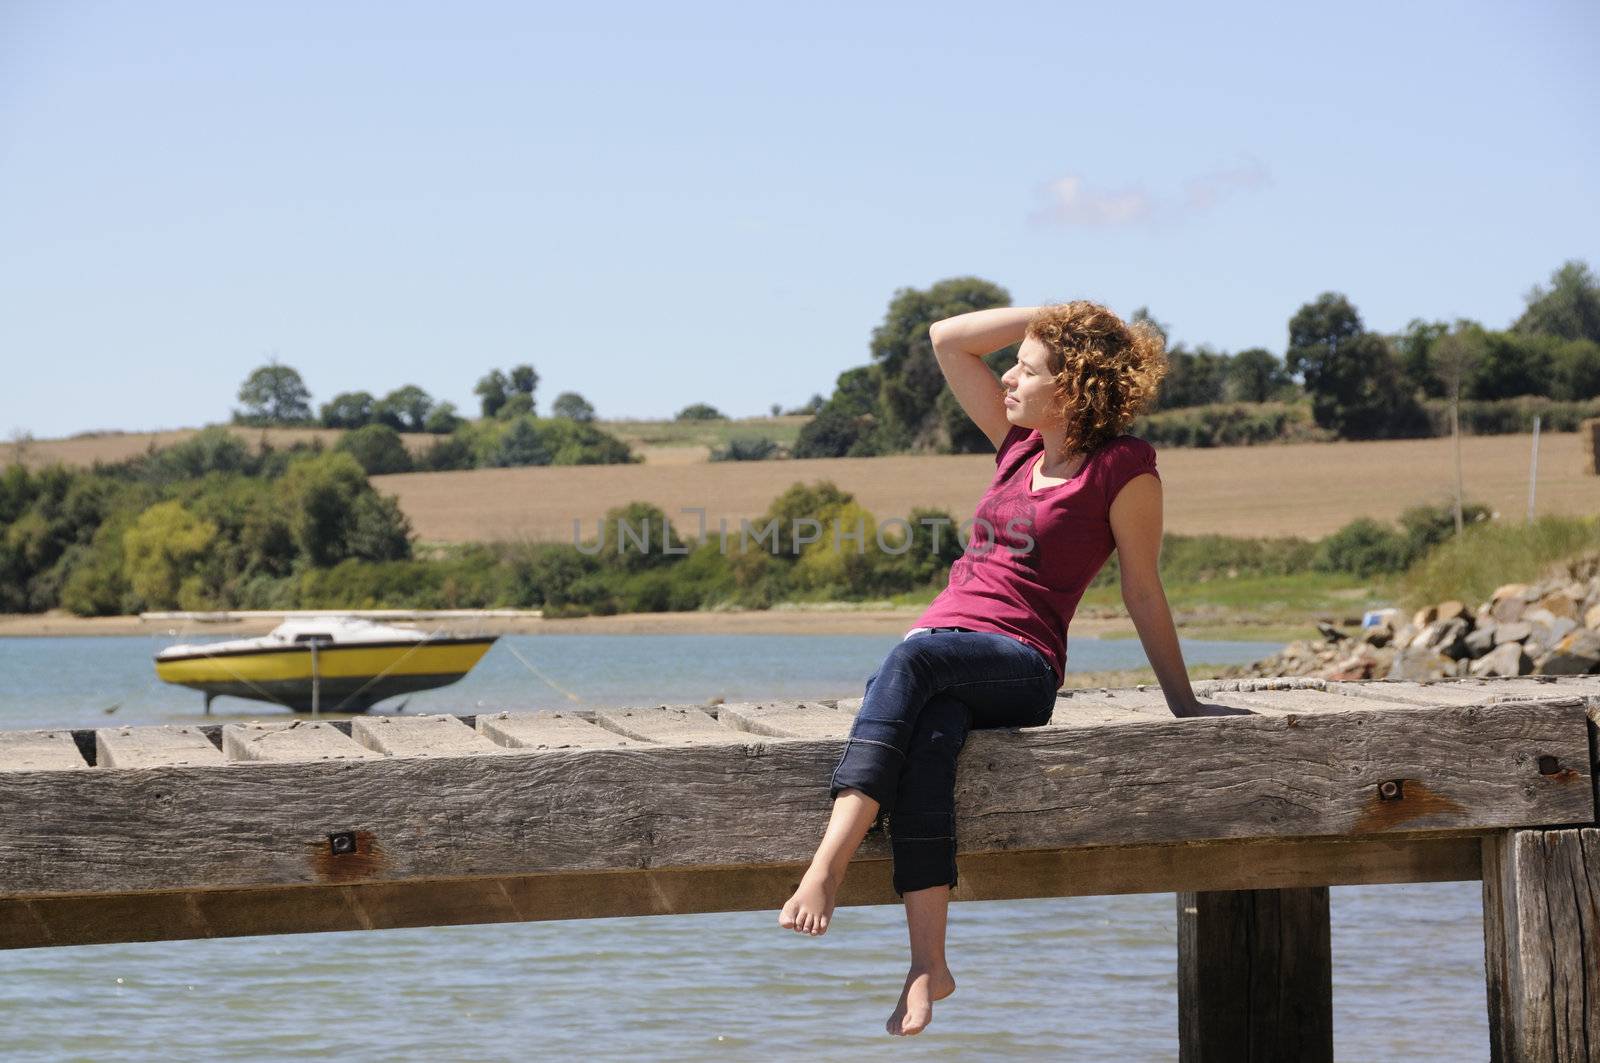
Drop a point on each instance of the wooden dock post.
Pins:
(1255, 976)
(1541, 944)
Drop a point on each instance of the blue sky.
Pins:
(662, 204)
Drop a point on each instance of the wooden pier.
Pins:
(151, 833)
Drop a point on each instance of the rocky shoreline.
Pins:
(1547, 628)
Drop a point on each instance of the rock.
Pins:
(1403, 637)
(1591, 619)
(1560, 603)
(1515, 631)
(1505, 659)
(1537, 615)
(1452, 610)
(1577, 654)
(1507, 602)
(1378, 635)
(1481, 641)
(1419, 664)
(1331, 633)
(1448, 637)
(1424, 617)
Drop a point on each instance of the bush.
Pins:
(700, 411)
(750, 448)
(377, 448)
(1364, 547)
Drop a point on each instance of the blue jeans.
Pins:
(933, 688)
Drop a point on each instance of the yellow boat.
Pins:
(327, 664)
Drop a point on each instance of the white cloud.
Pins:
(1071, 201)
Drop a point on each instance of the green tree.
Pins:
(1511, 364)
(161, 552)
(1194, 378)
(1568, 309)
(334, 513)
(522, 444)
(700, 411)
(348, 409)
(492, 390)
(442, 419)
(404, 409)
(571, 405)
(274, 394)
(909, 375)
(846, 424)
(1415, 346)
(524, 380)
(517, 405)
(1577, 370)
(378, 449)
(1256, 375)
(1351, 375)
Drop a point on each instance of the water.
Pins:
(1090, 978)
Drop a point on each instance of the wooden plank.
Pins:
(548, 730)
(1255, 976)
(80, 920)
(295, 740)
(785, 719)
(419, 736)
(39, 751)
(1425, 695)
(153, 747)
(1541, 905)
(666, 723)
(678, 805)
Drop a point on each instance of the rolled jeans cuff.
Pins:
(924, 846)
(870, 766)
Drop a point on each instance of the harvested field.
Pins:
(1305, 489)
(90, 447)
(656, 442)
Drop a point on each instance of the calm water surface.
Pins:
(1077, 979)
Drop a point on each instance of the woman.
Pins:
(990, 650)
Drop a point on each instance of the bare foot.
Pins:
(811, 907)
(915, 1010)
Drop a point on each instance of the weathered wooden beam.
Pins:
(1255, 976)
(549, 731)
(40, 751)
(282, 742)
(97, 919)
(419, 736)
(153, 747)
(1541, 933)
(763, 800)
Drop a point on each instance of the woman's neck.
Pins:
(1054, 438)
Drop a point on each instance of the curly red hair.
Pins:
(1106, 371)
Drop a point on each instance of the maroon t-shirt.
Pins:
(1032, 553)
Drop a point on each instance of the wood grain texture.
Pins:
(39, 751)
(665, 723)
(1541, 908)
(785, 719)
(289, 741)
(81, 920)
(549, 730)
(153, 747)
(419, 736)
(1255, 976)
(760, 800)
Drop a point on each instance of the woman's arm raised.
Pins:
(960, 343)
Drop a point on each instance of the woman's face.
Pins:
(1031, 400)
